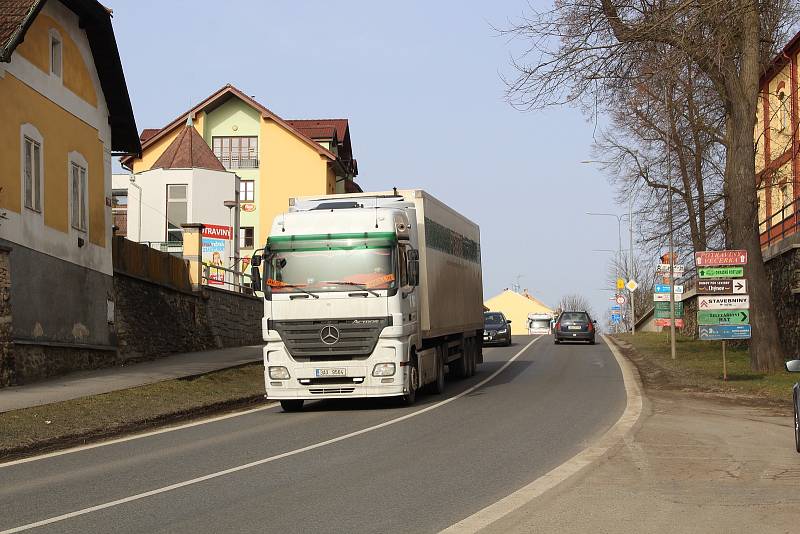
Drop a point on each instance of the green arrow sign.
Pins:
(664, 306)
(723, 317)
(664, 314)
(720, 272)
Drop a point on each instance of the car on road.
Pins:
(496, 329)
(793, 366)
(575, 326)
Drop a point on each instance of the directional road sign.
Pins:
(663, 268)
(722, 286)
(632, 285)
(679, 323)
(664, 297)
(726, 302)
(723, 317)
(726, 331)
(665, 314)
(664, 306)
(616, 307)
(720, 257)
(720, 272)
(664, 288)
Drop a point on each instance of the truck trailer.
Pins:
(368, 295)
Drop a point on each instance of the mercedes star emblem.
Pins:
(329, 334)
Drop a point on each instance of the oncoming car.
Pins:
(793, 366)
(574, 326)
(496, 329)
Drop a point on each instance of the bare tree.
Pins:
(575, 302)
(581, 45)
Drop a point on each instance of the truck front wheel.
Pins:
(292, 405)
(413, 383)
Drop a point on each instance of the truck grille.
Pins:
(331, 391)
(355, 338)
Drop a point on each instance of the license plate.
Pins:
(331, 372)
(574, 327)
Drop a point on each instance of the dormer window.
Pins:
(55, 54)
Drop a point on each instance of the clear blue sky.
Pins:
(420, 83)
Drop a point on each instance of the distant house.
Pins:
(275, 159)
(516, 306)
(64, 111)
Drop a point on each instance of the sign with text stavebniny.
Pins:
(720, 257)
(723, 302)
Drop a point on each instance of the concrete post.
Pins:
(193, 253)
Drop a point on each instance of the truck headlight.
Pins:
(279, 373)
(383, 369)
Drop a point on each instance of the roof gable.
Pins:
(188, 151)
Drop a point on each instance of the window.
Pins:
(79, 206)
(246, 237)
(783, 110)
(247, 190)
(32, 157)
(236, 152)
(55, 54)
(177, 211)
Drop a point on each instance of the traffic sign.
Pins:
(679, 323)
(616, 318)
(723, 317)
(720, 272)
(664, 297)
(620, 283)
(616, 307)
(664, 306)
(720, 257)
(665, 314)
(620, 299)
(663, 268)
(728, 302)
(722, 286)
(725, 331)
(664, 288)
(632, 285)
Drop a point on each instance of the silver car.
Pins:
(793, 366)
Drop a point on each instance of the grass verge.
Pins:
(698, 367)
(80, 420)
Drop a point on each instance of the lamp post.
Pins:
(230, 204)
(619, 236)
(132, 179)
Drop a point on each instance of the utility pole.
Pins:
(630, 262)
(671, 241)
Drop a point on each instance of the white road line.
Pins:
(139, 436)
(551, 479)
(242, 467)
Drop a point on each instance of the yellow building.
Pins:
(516, 307)
(64, 111)
(777, 140)
(275, 159)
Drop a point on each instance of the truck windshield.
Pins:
(332, 264)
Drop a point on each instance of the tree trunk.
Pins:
(766, 353)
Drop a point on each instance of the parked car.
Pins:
(496, 329)
(793, 366)
(575, 326)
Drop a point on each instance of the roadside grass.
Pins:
(78, 420)
(698, 366)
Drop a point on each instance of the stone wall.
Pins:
(780, 269)
(6, 352)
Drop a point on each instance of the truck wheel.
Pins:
(473, 357)
(292, 405)
(413, 384)
(460, 367)
(438, 386)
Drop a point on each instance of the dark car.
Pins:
(793, 366)
(574, 326)
(496, 329)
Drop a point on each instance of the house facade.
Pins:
(65, 112)
(275, 159)
(516, 307)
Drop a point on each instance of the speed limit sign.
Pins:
(620, 299)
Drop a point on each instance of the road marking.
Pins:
(138, 436)
(263, 461)
(633, 409)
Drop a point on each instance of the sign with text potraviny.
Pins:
(720, 272)
(722, 286)
(725, 331)
(723, 302)
(720, 257)
(723, 317)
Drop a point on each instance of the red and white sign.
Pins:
(679, 323)
(720, 257)
(217, 232)
(620, 299)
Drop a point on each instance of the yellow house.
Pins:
(64, 111)
(275, 159)
(516, 307)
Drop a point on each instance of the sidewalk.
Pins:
(694, 465)
(83, 383)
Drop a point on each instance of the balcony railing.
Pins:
(238, 161)
(780, 225)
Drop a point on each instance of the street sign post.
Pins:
(716, 317)
(632, 285)
(720, 272)
(723, 302)
(679, 323)
(664, 297)
(723, 286)
(663, 268)
(720, 257)
(664, 306)
(726, 331)
(665, 314)
(664, 288)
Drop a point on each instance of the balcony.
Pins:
(780, 225)
(236, 161)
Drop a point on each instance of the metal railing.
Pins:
(171, 247)
(780, 224)
(238, 161)
(228, 279)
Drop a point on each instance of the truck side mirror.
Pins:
(255, 261)
(413, 267)
(793, 366)
(255, 277)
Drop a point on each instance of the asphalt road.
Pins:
(420, 474)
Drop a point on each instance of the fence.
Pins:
(780, 224)
(229, 279)
(141, 261)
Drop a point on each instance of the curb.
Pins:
(71, 440)
(627, 424)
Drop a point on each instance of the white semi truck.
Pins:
(369, 295)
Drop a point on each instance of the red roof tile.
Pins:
(12, 16)
(147, 133)
(188, 151)
(320, 128)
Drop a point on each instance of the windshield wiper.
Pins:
(300, 288)
(354, 284)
